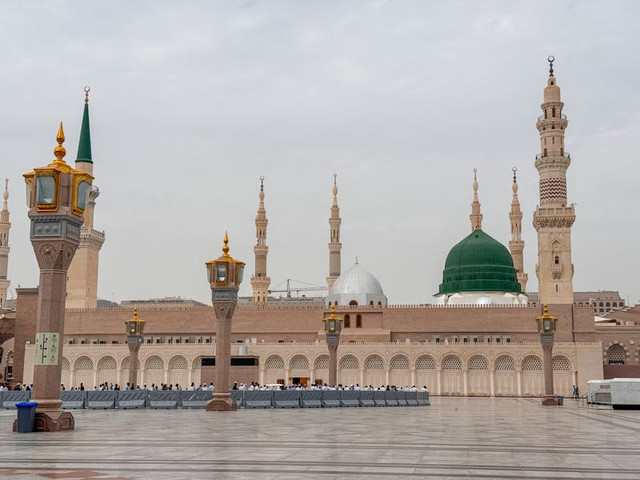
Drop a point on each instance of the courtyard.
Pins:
(493, 438)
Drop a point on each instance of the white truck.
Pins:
(617, 392)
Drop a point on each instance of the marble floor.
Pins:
(482, 438)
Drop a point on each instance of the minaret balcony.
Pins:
(554, 217)
(561, 117)
(564, 154)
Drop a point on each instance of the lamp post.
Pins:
(56, 196)
(225, 276)
(332, 328)
(135, 331)
(547, 328)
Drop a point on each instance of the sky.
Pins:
(191, 102)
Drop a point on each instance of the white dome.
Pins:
(356, 284)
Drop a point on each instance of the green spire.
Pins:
(84, 146)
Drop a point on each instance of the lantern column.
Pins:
(225, 276)
(57, 196)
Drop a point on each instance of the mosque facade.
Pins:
(479, 338)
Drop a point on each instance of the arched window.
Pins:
(616, 355)
(353, 303)
(556, 260)
(347, 321)
(358, 321)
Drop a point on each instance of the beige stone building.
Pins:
(479, 339)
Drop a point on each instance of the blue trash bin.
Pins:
(560, 400)
(26, 416)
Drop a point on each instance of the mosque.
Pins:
(479, 338)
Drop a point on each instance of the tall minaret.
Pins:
(5, 226)
(334, 240)
(476, 216)
(260, 281)
(553, 218)
(516, 244)
(82, 277)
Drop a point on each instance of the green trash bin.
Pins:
(560, 400)
(26, 416)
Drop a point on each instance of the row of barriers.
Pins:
(128, 399)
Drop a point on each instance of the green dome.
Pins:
(479, 263)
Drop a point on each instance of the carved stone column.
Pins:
(333, 340)
(134, 347)
(547, 367)
(224, 305)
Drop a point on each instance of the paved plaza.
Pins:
(494, 438)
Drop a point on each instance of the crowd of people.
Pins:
(236, 386)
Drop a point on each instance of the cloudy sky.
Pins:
(191, 102)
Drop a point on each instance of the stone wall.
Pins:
(446, 369)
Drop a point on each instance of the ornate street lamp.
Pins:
(56, 196)
(135, 332)
(547, 328)
(225, 276)
(332, 329)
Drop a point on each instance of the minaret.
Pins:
(516, 244)
(553, 218)
(82, 278)
(334, 240)
(260, 281)
(5, 226)
(476, 216)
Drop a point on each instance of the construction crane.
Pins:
(289, 289)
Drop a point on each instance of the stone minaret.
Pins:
(476, 216)
(334, 240)
(5, 226)
(516, 244)
(553, 218)
(82, 278)
(260, 281)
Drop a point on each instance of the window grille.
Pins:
(478, 362)
(299, 362)
(400, 363)
(178, 363)
(155, 363)
(532, 363)
(425, 363)
(505, 362)
(107, 363)
(452, 363)
(322, 362)
(349, 362)
(374, 362)
(84, 363)
(274, 362)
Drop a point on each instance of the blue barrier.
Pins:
(195, 398)
(286, 399)
(331, 398)
(73, 399)
(11, 397)
(411, 399)
(350, 398)
(380, 398)
(95, 399)
(366, 398)
(423, 399)
(131, 399)
(238, 397)
(311, 398)
(101, 399)
(163, 399)
(258, 398)
(391, 398)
